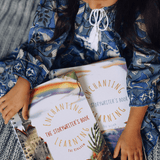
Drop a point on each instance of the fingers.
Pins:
(5, 112)
(3, 105)
(124, 156)
(128, 155)
(9, 109)
(25, 111)
(8, 117)
(137, 155)
(2, 99)
(8, 113)
(141, 155)
(134, 156)
(117, 150)
(15, 99)
(131, 157)
(5, 109)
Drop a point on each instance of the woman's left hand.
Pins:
(130, 145)
(130, 141)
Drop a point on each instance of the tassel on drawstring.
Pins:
(94, 37)
(95, 34)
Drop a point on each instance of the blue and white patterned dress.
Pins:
(37, 62)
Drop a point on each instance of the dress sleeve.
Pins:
(33, 59)
(143, 72)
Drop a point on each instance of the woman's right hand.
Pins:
(18, 97)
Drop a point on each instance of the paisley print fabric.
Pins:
(37, 61)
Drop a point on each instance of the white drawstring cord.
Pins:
(94, 34)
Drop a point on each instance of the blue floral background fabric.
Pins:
(37, 60)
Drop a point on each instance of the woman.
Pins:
(72, 33)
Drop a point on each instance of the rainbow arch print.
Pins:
(50, 89)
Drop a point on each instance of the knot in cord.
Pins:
(98, 15)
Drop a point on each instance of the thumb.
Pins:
(116, 150)
(25, 111)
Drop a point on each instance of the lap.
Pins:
(10, 148)
(155, 153)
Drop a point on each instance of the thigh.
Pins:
(155, 153)
(10, 148)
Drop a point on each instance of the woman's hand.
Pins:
(130, 145)
(130, 141)
(18, 97)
